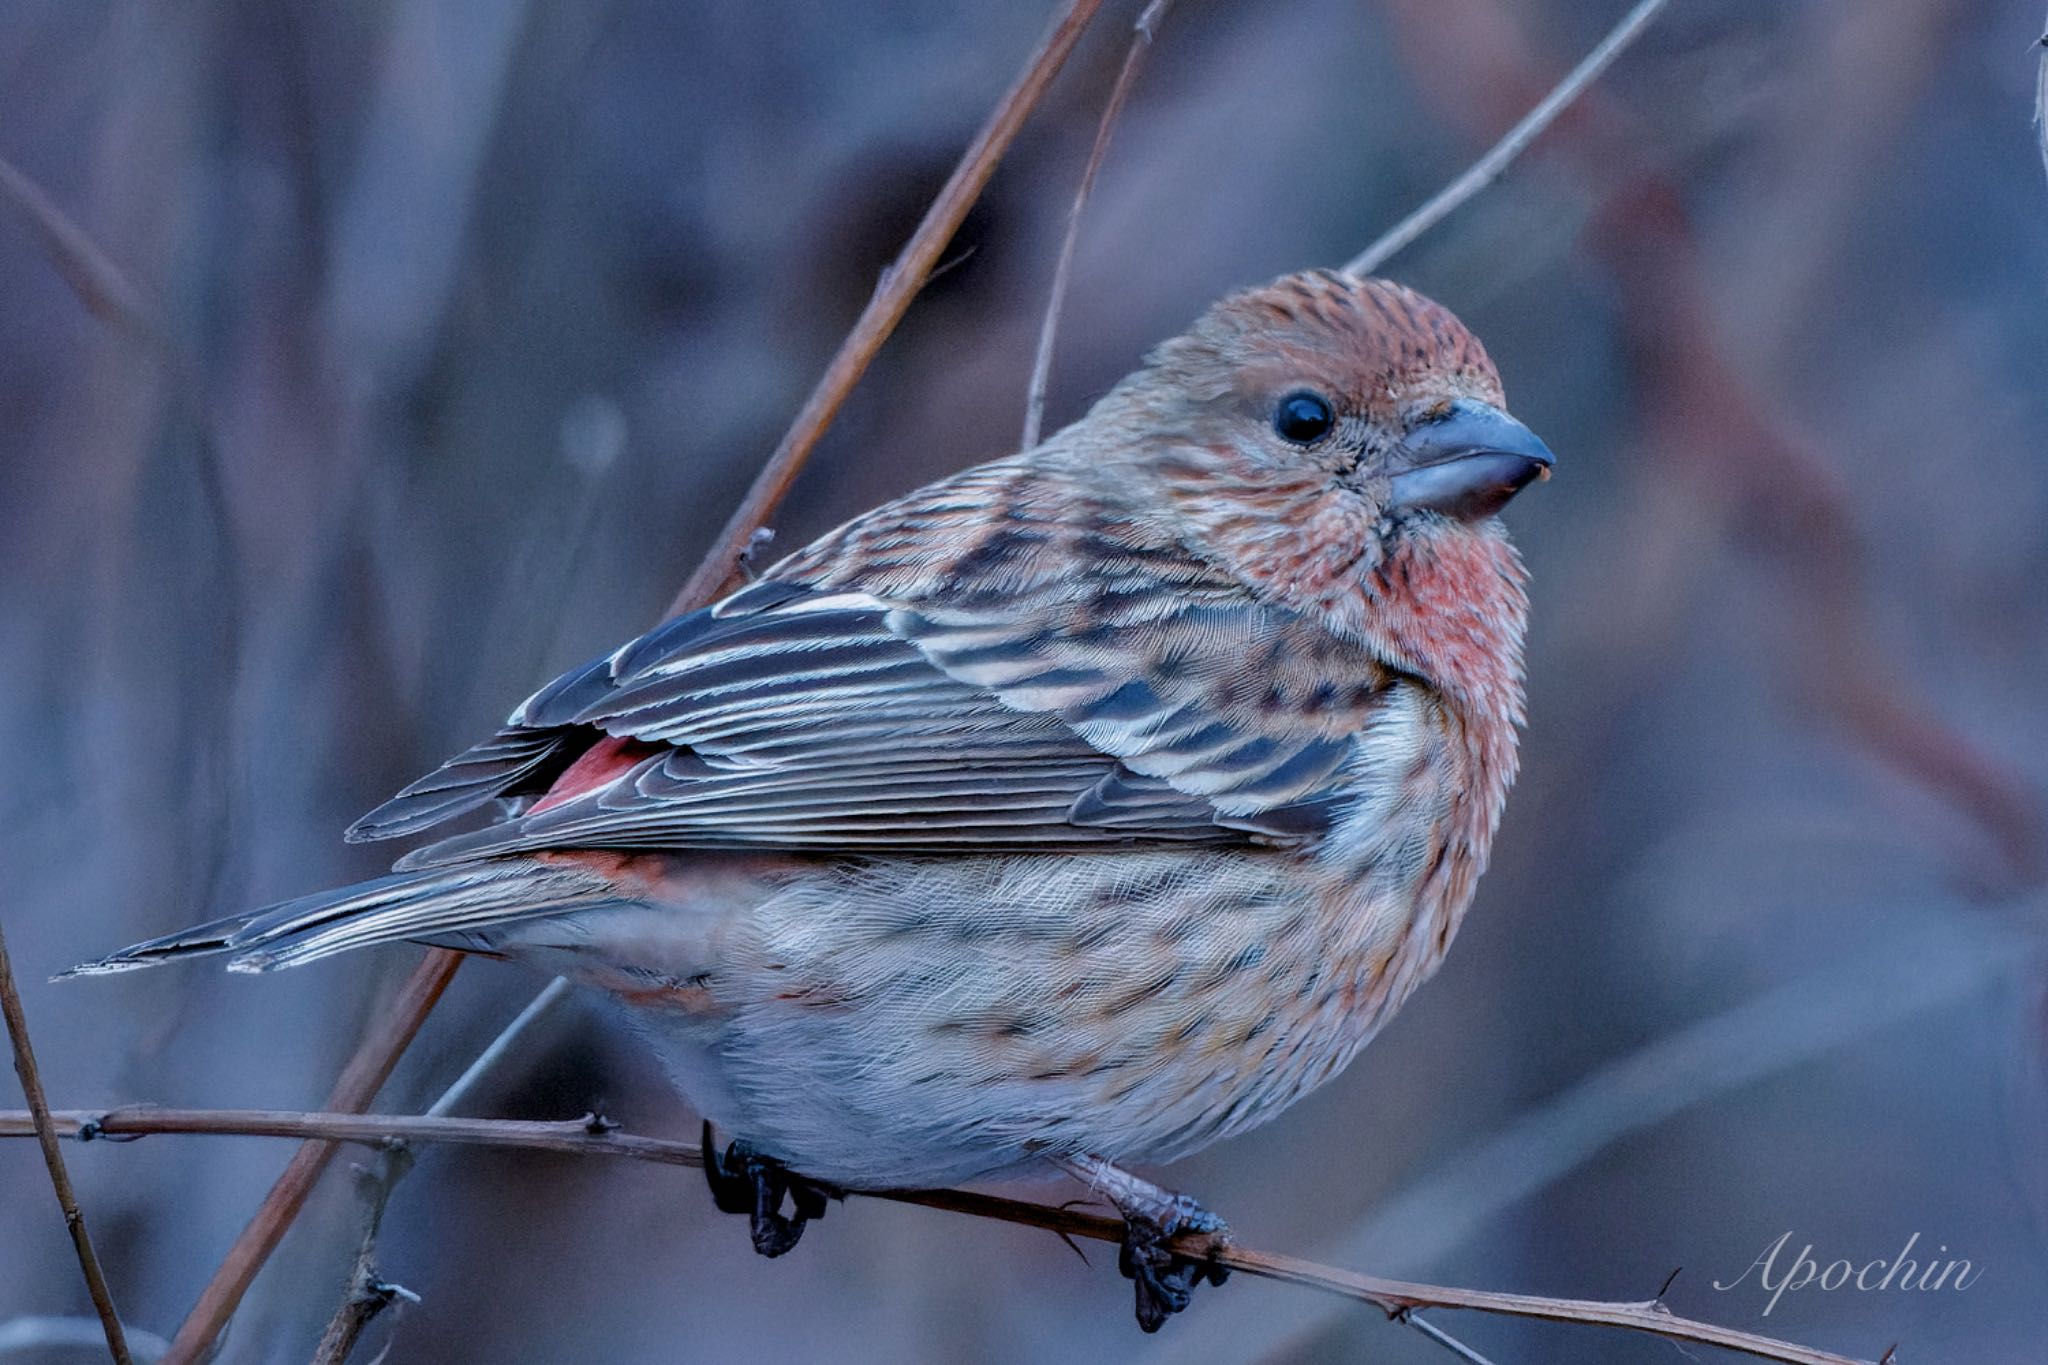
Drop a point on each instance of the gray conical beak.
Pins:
(1468, 462)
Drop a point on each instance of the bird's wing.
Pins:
(798, 717)
(990, 662)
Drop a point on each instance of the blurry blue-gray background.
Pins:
(475, 317)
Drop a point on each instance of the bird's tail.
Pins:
(443, 904)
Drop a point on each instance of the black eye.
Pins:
(1303, 417)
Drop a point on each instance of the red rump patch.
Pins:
(602, 763)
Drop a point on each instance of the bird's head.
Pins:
(1340, 444)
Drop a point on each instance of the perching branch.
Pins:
(592, 1135)
(1487, 169)
(1041, 363)
(60, 1178)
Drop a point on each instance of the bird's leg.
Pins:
(744, 1181)
(1164, 1279)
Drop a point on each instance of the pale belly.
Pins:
(928, 1021)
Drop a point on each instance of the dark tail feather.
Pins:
(425, 905)
(515, 759)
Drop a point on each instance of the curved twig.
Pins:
(591, 1135)
(1048, 330)
(1487, 169)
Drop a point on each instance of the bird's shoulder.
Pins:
(1021, 533)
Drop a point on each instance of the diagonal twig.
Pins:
(1041, 363)
(378, 1053)
(1443, 1338)
(60, 1178)
(893, 293)
(100, 285)
(1487, 168)
(369, 1294)
(591, 1135)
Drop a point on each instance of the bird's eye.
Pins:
(1303, 417)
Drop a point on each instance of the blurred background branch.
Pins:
(1142, 34)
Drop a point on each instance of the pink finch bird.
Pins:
(1082, 808)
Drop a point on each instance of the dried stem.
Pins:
(375, 1058)
(501, 1046)
(1487, 169)
(368, 1293)
(60, 1178)
(893, 293)
(592, 1135)
(1443, 1338)
(1048, 330)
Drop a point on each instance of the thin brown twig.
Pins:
(1041, 363)
(1488, 168)
(379, 1052)
(376, 1056)
(892, 297)
(60, 1178)
(369, 1294)
(591, 1136)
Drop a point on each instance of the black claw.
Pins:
(732, 1190)
(773, 1234)
(743, 1181)
(1163, 1279)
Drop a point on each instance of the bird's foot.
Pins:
(1163, 1278)
(744, 1181)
